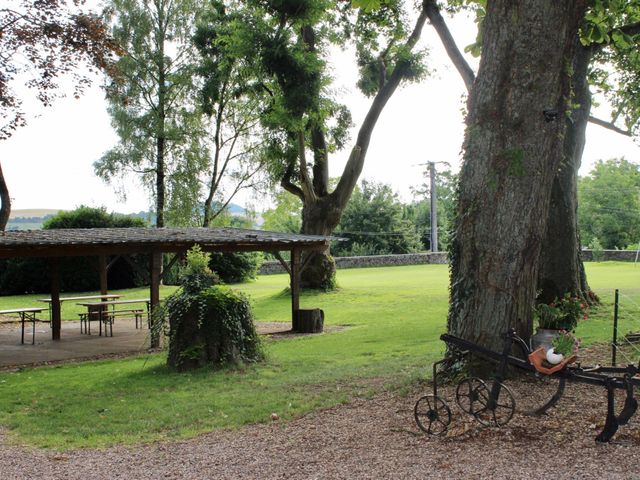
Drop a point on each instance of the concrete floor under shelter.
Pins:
(74, 345)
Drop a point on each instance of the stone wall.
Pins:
(612, 255)
(272, 267)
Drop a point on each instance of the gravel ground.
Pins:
(374, 438)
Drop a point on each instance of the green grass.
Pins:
(395, 316)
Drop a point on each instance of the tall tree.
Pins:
(40, 42)
(233, 101)
(293, 42)
(608, 31)
(152, 102)
(513, 147)
(610, 204)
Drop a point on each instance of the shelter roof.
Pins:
(98, 241)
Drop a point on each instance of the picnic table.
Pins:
(105, 297)
(100, 311)
(27, 314)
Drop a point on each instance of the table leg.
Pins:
(33, 329)
(22, 318)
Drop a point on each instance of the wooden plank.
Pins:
(154, 295)
(295, 284)
(171, 264)
(76, 250)
(102, 268)
(283, 262)
(56, 319)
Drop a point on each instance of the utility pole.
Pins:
(434, 210)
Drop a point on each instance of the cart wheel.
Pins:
(502, 411)
(432, 414)
(467, 394)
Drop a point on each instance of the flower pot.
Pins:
(554, 358)
(543, 338)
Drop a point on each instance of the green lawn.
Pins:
(394, 316)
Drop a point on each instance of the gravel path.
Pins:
(374, 438)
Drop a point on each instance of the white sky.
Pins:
(48, 163)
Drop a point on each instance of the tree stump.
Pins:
(309, 321)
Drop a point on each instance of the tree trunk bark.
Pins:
(5, 202)
(513, 148)
(561, 267)
(320, 218)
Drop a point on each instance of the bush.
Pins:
(236, 267)
(208, 324)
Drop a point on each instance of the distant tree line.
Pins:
(377, 222)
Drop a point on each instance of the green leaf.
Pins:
(367, 5)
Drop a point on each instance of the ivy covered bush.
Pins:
(208, 324)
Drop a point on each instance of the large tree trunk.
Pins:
(320, 218)
(513, 148)
(561, 267)
(5, 202)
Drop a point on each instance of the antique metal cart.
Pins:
(492, 403)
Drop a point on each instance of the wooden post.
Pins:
(154, 296)
(56, 318)
(295, 287)
(102, 269)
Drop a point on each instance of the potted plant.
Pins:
(564, 345)
(561, 314)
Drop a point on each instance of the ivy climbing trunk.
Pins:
(561, 267)
(513, 147)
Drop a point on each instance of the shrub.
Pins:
(208, 324)
(236, 267)
(597, 252)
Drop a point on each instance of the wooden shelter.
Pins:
(108, 243)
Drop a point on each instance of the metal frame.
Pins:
(612, 378)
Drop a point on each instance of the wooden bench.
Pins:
(108, 318)
(105, 312)
(29, 315)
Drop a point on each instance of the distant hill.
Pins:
(32, 213)
(33, 218)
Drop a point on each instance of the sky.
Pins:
(49, 163)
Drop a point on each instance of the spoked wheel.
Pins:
(500, 412)
(432, 414)
(467, 394)
(535, 394)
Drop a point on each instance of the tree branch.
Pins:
(609, 126)
(288, 185)
(354, 165)
(438, 23)
(305, 181)
(630, 29)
